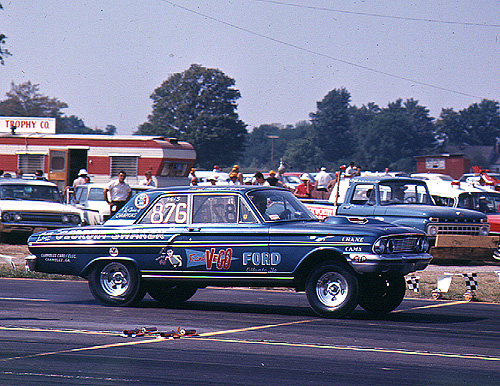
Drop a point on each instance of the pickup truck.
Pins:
(454, 233)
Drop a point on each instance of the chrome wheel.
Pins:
(115, 279)
(332, 289)
(116, 283)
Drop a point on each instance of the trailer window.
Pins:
(30, 163)
(123, 162)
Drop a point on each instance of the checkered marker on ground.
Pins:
(412, 283)
(470, 281)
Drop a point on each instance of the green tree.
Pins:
(3, 51)
(25, 100)
(481, 122)
(332, 126)
(199, 106)
(394, 136)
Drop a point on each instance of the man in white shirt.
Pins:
(322, 181)
(119, 193)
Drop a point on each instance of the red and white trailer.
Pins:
(61, 156)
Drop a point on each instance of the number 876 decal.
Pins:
(167, 210)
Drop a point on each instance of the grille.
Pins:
(41, 217)
(472, 230)
(404, 245)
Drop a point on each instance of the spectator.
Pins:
(119, 193)
(351, 170)
(148, 180)
(233, 179)
(305, 189)
(322, 181)
(19, 173)
(236, 169)
(81, 178)
(39, 175)
(260, 180)
(272, 180)
(193, 180)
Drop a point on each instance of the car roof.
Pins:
(377, 179)
(214, 188)
(24, 181)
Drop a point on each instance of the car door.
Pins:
(361, 202)
(225, 238)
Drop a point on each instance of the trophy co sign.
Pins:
(26, 125)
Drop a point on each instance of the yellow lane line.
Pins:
(65, 331)
(254, 328)
(27, 299)
(104, 346)
(351, 348)
(431, 306)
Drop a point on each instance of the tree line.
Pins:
(199, 105)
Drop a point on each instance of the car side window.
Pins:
(246, 216)
(215, 209)
(167, 210)
(363, 194)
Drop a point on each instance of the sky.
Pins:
(105, 58)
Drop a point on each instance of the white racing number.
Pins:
(168, 210)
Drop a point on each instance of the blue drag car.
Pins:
(170, 242)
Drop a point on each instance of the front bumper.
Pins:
(400, 263)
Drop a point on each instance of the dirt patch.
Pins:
(17, 252)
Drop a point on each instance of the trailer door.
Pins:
(58, 167)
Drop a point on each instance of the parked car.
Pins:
(28, 205)
(89, 198)
(170, 242)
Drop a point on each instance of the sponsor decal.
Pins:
(58, 257)
(113, 251)
(353, 239)
(168, 255)
(353, 249)
(141, 201)
(358, 258)
(261, 258)
(211, 258)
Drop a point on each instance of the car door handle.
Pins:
(194, 229)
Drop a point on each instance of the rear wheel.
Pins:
(116, 283)
(332, 290)
(171, 295)
(380, 294)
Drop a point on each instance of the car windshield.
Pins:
(486, 202)
(398, 192)
(279, 205)
(30, 192)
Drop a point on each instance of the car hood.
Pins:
(442, 212)
(36, 206)
(344, 225)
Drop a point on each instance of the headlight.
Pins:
(65, 218)
(17, 217)
(76, 219)
(484, 231)
(7, 217)
(422, 245)
(379, 246)
(432, 230)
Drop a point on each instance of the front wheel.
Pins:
(116, 283)
(332, 290)
(380, 294)
(171, 295)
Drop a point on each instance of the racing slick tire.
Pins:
(116, 283)
(380, 294)
(332, 290)
(170, 295)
